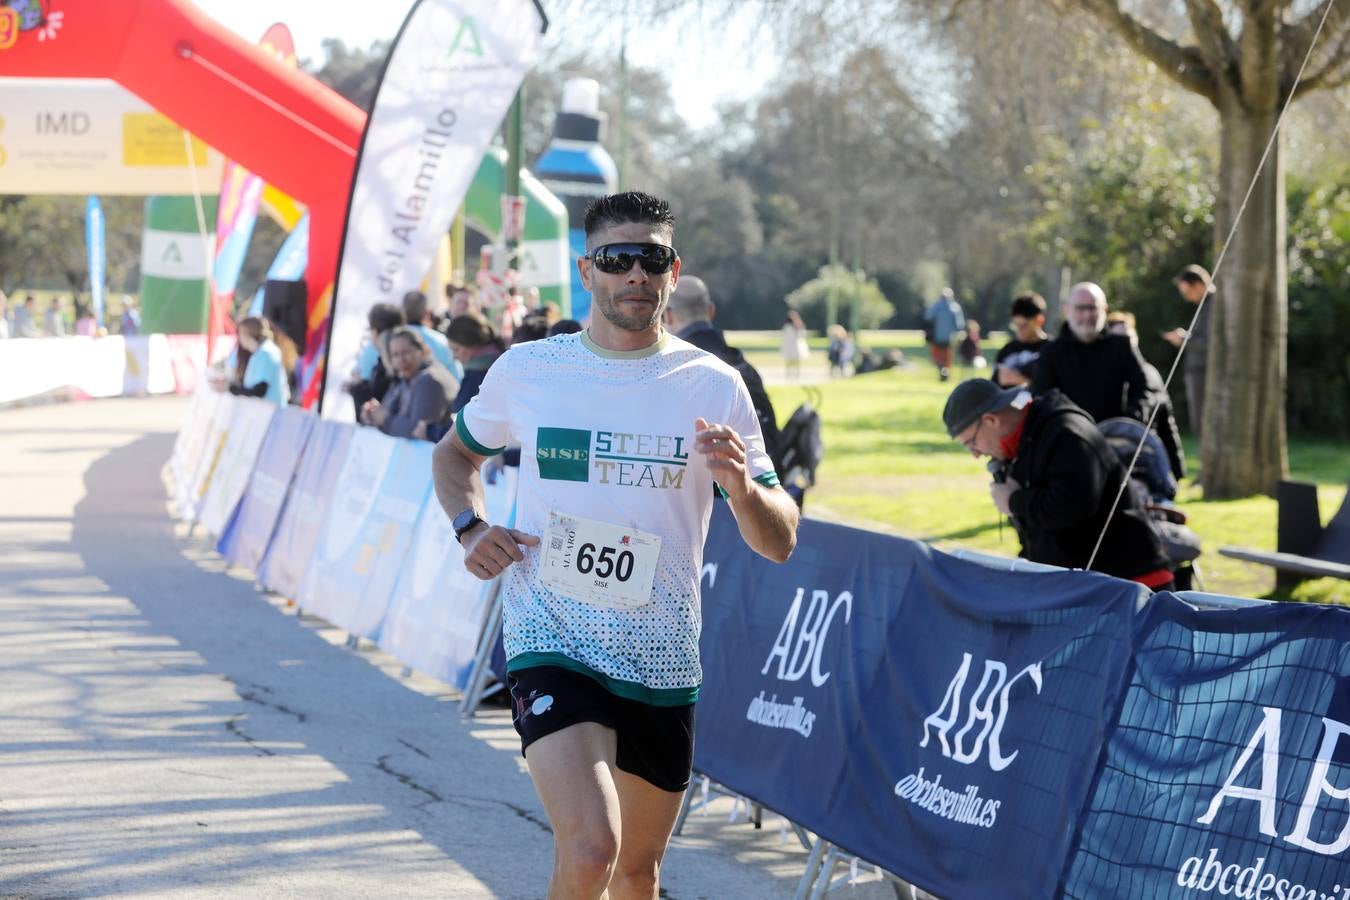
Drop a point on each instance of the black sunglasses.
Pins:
(618, 259)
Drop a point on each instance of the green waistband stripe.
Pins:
(628, 690)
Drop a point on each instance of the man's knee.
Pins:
(638, 876)
(588, 854)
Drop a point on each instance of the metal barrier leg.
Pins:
(684, 806)
(826, 873)
(473, 691)
(812, 868)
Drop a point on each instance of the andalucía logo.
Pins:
(466, 40)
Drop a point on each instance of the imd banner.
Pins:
(453, 71)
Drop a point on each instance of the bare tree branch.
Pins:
(1185, 65)
(1212, 34)
(1336, 34)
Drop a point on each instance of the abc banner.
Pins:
(930, 715)
(452, 73)
(1228, 774)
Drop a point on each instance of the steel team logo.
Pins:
(620, 458)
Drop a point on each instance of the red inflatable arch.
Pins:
(274, 120)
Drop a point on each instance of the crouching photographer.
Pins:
(1056, 478)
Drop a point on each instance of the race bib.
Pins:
(599, 563)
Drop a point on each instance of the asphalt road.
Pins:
(168, 731)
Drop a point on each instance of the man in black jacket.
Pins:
(1058, 480)
(689, 316)
(1101, 372)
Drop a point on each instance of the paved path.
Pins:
(167, 731)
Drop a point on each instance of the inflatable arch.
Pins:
(275, 120)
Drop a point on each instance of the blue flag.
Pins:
(94, 243)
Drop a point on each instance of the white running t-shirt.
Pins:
(607, 440)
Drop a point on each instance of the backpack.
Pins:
(802, 450)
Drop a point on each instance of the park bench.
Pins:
(1304, 548)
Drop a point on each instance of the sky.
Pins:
(708, 61)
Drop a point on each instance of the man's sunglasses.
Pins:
(618, 259)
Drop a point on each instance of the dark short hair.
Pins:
(470, 330)
(564, 326)
(629, 206)
(533, 328)
(1028, 304)
(415, 307)
(1194, 274)
(408, 334)
(384, 316)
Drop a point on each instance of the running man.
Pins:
(623, 429)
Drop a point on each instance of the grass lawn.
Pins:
(889, 466)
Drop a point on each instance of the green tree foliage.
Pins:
(851, 289)
(42, 243)
(1319, 306)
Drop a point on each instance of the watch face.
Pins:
(463, 521)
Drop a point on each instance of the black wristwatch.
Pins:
(465, 521)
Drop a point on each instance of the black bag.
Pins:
(802, 451)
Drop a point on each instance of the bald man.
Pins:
(689, 316)
(1101, 372)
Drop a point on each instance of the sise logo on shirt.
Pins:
(624, 459)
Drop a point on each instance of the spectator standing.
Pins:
(792, 345)
(1194, 284)
(25, 319)
(1100, 372)
(420, 392)
(264, 372)
(476, 347)
(943, 319)
(374, 370)
(1016, 361)
(85, 323)
(418, 318)
(53, 323)
(1164, 422)
(971, 355)
(130, 321)
(4, 316)
(689, 315)
(1058, 479)
(463, 301)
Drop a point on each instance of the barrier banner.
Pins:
(1228, 773)
(238, 454)
(306, 506)
(201, 466)
(930, 715)
(436, 614)
(191, 438)
(244, 540)
(377, 499)
(147, 368)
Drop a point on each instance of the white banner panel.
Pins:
(92, 136)
(248, 427)
(451, 76)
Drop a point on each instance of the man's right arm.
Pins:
(488, 549)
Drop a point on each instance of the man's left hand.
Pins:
(724, 450)
(1002, 491)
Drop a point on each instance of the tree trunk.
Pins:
(1243, 449)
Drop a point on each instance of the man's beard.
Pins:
(609, 308)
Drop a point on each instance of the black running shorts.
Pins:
(655, 743)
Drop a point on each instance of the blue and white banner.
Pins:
(96, 246)
(283, 568)
(289, 264)
(930, 715)
(244, 541)
(238, 453)
(1228, 773)
(452, 72)
(437, 611)
(376, 502)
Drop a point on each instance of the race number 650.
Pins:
(609, 561)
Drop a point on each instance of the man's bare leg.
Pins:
(573, 773)
(648, 815)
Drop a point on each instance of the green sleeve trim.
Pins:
(628, 690)
(463, 431)
(768, 479)
(721, 493)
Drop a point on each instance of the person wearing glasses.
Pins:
(1015, 364)
(1056, 477)
(624, 430)
(1101, 372)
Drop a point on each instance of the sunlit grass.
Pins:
(890, 466)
